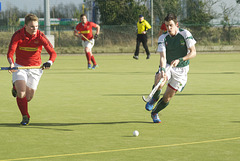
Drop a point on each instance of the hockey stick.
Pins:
(155, 88)
(84, 36)
(17, 68)
(86, 39)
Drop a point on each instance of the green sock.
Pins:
(156, 95)
(160, 106)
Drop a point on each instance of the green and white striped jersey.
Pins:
(176, 46)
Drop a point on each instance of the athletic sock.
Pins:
(93, 60)
(160, 106)
(88, 55)
(23, 106)
(156, 95)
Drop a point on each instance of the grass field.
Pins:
(85, 115)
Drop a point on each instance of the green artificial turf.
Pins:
(90, 115)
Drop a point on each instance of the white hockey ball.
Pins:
(135, 133)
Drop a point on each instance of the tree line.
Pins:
(125, 12)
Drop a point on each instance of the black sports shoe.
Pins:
(25, 120)
(135, 57)
(14, 91)
(148, 57)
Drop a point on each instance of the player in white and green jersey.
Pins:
(176, 48)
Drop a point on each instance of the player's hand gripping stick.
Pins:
(155, 88)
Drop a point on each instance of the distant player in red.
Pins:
(162, 29)
(85, 28)
(27, 44)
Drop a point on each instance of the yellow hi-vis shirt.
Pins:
(143, 26)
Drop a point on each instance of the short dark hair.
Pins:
(83, 15)
(170, 17)
(30, 17)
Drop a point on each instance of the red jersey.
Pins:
(28, 48)
(163, 27)
(86, 29)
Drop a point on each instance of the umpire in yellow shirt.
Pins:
(142, 27)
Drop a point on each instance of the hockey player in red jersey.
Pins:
(26, 44)
(84, 31)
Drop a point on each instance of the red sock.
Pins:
(88, 55)
(23, 105)
(93, 60)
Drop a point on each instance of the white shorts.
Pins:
(88, 44)
(30, 76)
(177, 77)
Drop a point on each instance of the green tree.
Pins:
(227, 13)
(162, 7)
(12, 16)
(120, 12)
(197, 13)
(13, 20)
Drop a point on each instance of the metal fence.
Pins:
(125, 36)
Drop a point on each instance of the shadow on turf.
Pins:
(72, 124)
(218, 73)
(77, 72)
(235, 121)
(182, 94)
(31, 126)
